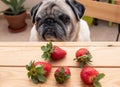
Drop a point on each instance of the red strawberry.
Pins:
(83, 56)
(58, 53)
(38, 71)
(91, 76)
(52, 52)
(62, 74)
(46, 66)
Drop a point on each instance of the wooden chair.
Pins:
(104, 11)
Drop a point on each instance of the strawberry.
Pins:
(91, 76)
(52, 52)
(38, 71)
(62, 74)
(83, 56)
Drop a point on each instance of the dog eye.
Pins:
(64, 18)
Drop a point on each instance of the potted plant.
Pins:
(15, 15)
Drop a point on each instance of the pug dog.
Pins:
(59, 20)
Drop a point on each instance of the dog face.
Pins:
(57, 20)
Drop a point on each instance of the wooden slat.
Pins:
(12, 77)
(102, 10)
(61, 44)
(20, 56)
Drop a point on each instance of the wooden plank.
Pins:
(102, 10)
(20, 56)
(12, 77)
(61, 44)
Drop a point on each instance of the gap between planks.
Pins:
(68, 66)
(61, 44)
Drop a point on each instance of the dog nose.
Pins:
(49, 33)
(50, 21)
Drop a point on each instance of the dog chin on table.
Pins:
(59, 20)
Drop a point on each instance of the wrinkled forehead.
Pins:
(60, 4)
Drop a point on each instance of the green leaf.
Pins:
(49, 45)
(45, 56)
(47, 50)
(86, 56)
(82, 64)
(15, 6)
(41, 78)
(88, 63)
(22, 9)
(20, 3)
(30, 65)
(96, 80)
(51, 51)
(6, 2)
(29, 74)
(44, 48)
(49, 55)
(97, 84)
(62, 70)
(67, 76)
(100, 76)
(9, 4)
(59, 80)
(35, 80)
(40, 70)
(89, 55)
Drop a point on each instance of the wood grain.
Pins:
(12, 77)
(20, 56)
(105, 11)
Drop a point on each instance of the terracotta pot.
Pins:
(16, 23)
(117, 2)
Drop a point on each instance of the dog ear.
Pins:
(77, 8)
(34, 10)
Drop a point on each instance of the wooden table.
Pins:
(15, 55)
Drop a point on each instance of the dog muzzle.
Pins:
(51, 29)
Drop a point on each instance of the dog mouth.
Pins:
(52, 29)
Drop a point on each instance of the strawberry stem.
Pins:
(61, 77)
(36, 73)
(84, 60)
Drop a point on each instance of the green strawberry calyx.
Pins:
(84, 59)
(61, 77)
(35, 73)
(47, 50)
(96, 82)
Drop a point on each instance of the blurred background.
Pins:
(102, 29)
